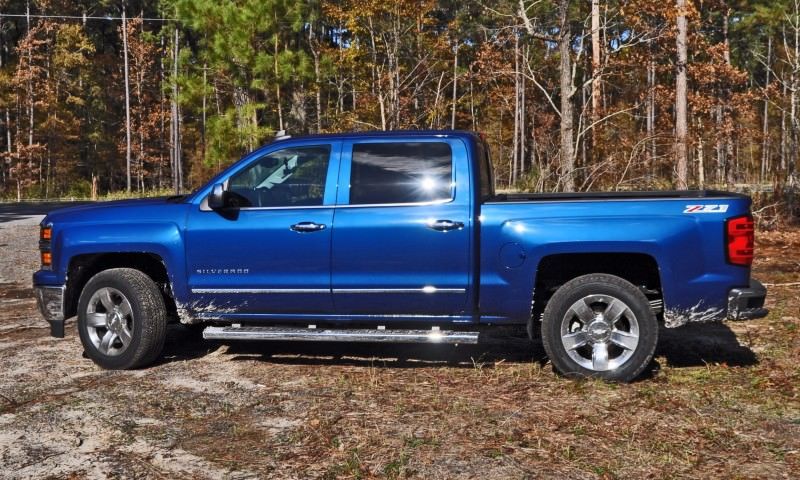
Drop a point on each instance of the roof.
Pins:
(383, 134)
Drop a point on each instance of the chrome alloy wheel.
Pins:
(600, 332)
(109, 321)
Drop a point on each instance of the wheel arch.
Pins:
(554, 270)
(83, 267)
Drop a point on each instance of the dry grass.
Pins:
(721, 401)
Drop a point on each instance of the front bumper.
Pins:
(50, 300)
(747, 303)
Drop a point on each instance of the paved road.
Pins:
(15, 214)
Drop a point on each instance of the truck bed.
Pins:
(631, 195)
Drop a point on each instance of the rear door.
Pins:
(401, 239)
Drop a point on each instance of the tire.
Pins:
(601, 326)
(122, 320)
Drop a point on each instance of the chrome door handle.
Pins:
(305, 227)
(445, 225)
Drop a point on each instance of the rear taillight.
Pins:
(739, 237)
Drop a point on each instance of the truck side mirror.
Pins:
(216, 199)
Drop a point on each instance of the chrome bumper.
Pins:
(51, 305)
(747, 303)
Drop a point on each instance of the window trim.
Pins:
(351, 145)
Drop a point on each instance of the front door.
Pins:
(268, 253)
(401, 239)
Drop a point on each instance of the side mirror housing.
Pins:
(216, 199)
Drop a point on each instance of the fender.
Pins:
(675, 242)
(164, 239)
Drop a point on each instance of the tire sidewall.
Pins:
(117, 282)
(617, 287)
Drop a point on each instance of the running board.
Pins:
(312, 334)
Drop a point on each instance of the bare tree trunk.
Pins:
(8, 138)
(595, 60)
(203, 127)
(127, 100)
(585, 92)
(140, 122)
(534, 161)
(730, 164)
(680, 99)
(177, 173)
(318, 93)
(472, 106)
(784, 136)
(455, 86)
(522, 108)
(567, 90)
(765, 121)
(394, 62)
(376, 80)
(19, 157)
(30, 75)
(793, 126)
(353, 88)
(434, 114)
(651, 107)
(515, 139)
(7, 162)
(277, 83)
(317, 84)
(162, 112)
(701, 173)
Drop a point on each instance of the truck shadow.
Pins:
(689, 346)
(704, 343)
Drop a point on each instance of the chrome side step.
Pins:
(312, 334)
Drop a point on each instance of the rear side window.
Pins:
(485, 168)
(407, 172)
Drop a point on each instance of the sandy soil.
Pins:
(720, 401)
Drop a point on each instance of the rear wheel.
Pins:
(599, 325)
(122, 319)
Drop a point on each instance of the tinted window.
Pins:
(286, 178)
(400, 173)
(485, 167)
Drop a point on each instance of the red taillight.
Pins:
(740, 237)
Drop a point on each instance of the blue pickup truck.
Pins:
(396, 237)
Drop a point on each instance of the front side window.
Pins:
(407, 172)
(287, 178)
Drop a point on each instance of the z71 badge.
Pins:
(706, 208)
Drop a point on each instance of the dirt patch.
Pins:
(720, 400)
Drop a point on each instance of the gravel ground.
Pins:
(721, 401)
(19, 243)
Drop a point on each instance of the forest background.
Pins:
(154, 97)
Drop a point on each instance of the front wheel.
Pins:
(122, 319)
(599, 325)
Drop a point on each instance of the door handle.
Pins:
(445, 225)
(306, 227)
